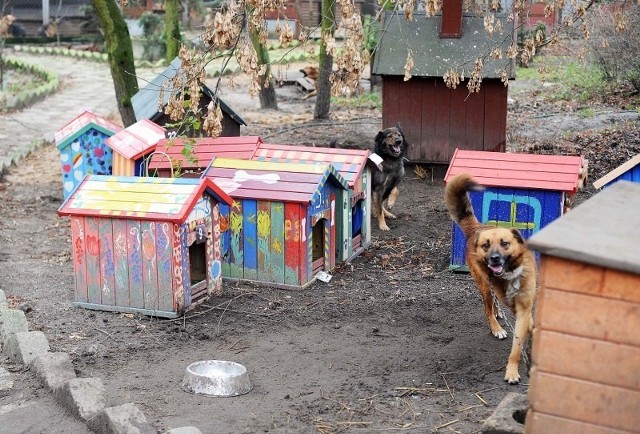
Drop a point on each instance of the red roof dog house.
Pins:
(83, 149)
(148, 245)
(131, 145)
(586, 347)
(352, 165)
(190, 157)
(285, 221)
(523, 191)
(629, 171)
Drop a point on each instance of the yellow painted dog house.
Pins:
(147, 245)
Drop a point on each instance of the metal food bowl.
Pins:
(216, 378)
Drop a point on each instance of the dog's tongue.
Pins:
(497, 269)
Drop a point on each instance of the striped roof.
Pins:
(81, 124)
(203, 150)
(497, 169)
(166, 199)
(348, 162)
(136, 140)
(262, 180)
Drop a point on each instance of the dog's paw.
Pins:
(512, 376)
(500, 334)
(383, 227)
(388, 215)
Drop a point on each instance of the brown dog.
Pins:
(312, 73)
(499, 262)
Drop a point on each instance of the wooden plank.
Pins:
(267, 166)
(186, 265)
(149, 265)
(178, 270)
(587, 359)
(214, 271)
(441, 140)
(495, 116)
(474, 108)
(428, 145)
(107, 267)
(121, 263)
(164, 259)
(561, 160)
(306, 245)
(236, 240)
(78, 253)
(225, 239)
(277, 246)
(411, 120)
(540, 423)
(292, 244)
(282, 176)
(92, 243)
(585, 401)
(457, 118)
(250, 230)
(592, 317)
(264, 241)
(333, 222)
(134, 247)
(270, 195)
(366, 224)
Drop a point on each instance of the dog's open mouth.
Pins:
(497, 269)
(396, 149)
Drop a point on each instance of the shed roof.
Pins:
(136, 140)
(625, 167)
(497, 169)
(203, 150)
(166, 199)
(83, 122)
(145, 101)
(348, 162)
(434, 56)
(263, 180)
(615, 211)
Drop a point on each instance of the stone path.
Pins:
(83, 85)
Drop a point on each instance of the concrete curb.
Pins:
(503, 419)
(82, 397)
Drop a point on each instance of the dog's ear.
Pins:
(378, 140)
(399, 128)
(517, 235)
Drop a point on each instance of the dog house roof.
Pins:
(262, 180)
(203, 150)
(165, 199)
(618, 171)
(348, 162)
(497, 169)
(82, 123)
(136, 140)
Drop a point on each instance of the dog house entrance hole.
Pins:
(198, 262)
(357, 216)
(317, 258)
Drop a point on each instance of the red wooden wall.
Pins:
(436, 120)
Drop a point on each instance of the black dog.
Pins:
(391, 146)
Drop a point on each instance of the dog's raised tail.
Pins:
(458, 202)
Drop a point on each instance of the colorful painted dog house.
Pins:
(131, 145)
(285, 221)
(190, 157)
(352, 165)
(148, 245)
(83, 149)
(523, 191)
(586, 346)
(629, 171)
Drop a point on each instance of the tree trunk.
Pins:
(323, 101)
(267, 94)
(120, 52)
(172, 28)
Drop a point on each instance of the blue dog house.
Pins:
(523, 191)
(629, 171)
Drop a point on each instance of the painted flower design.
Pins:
(93, 245)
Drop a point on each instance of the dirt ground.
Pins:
(394, 343)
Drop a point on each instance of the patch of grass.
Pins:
(368, 100)
(577, 81)
(587, 113)
(529, 73)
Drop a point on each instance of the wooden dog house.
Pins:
(83, 148)
(285, 221)
(148, 245)
(523, 191)
(352, 165)
(586, 346)
(190, 157)
(629, 171)
(131, 145)
(437, 119)
(146, 101)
